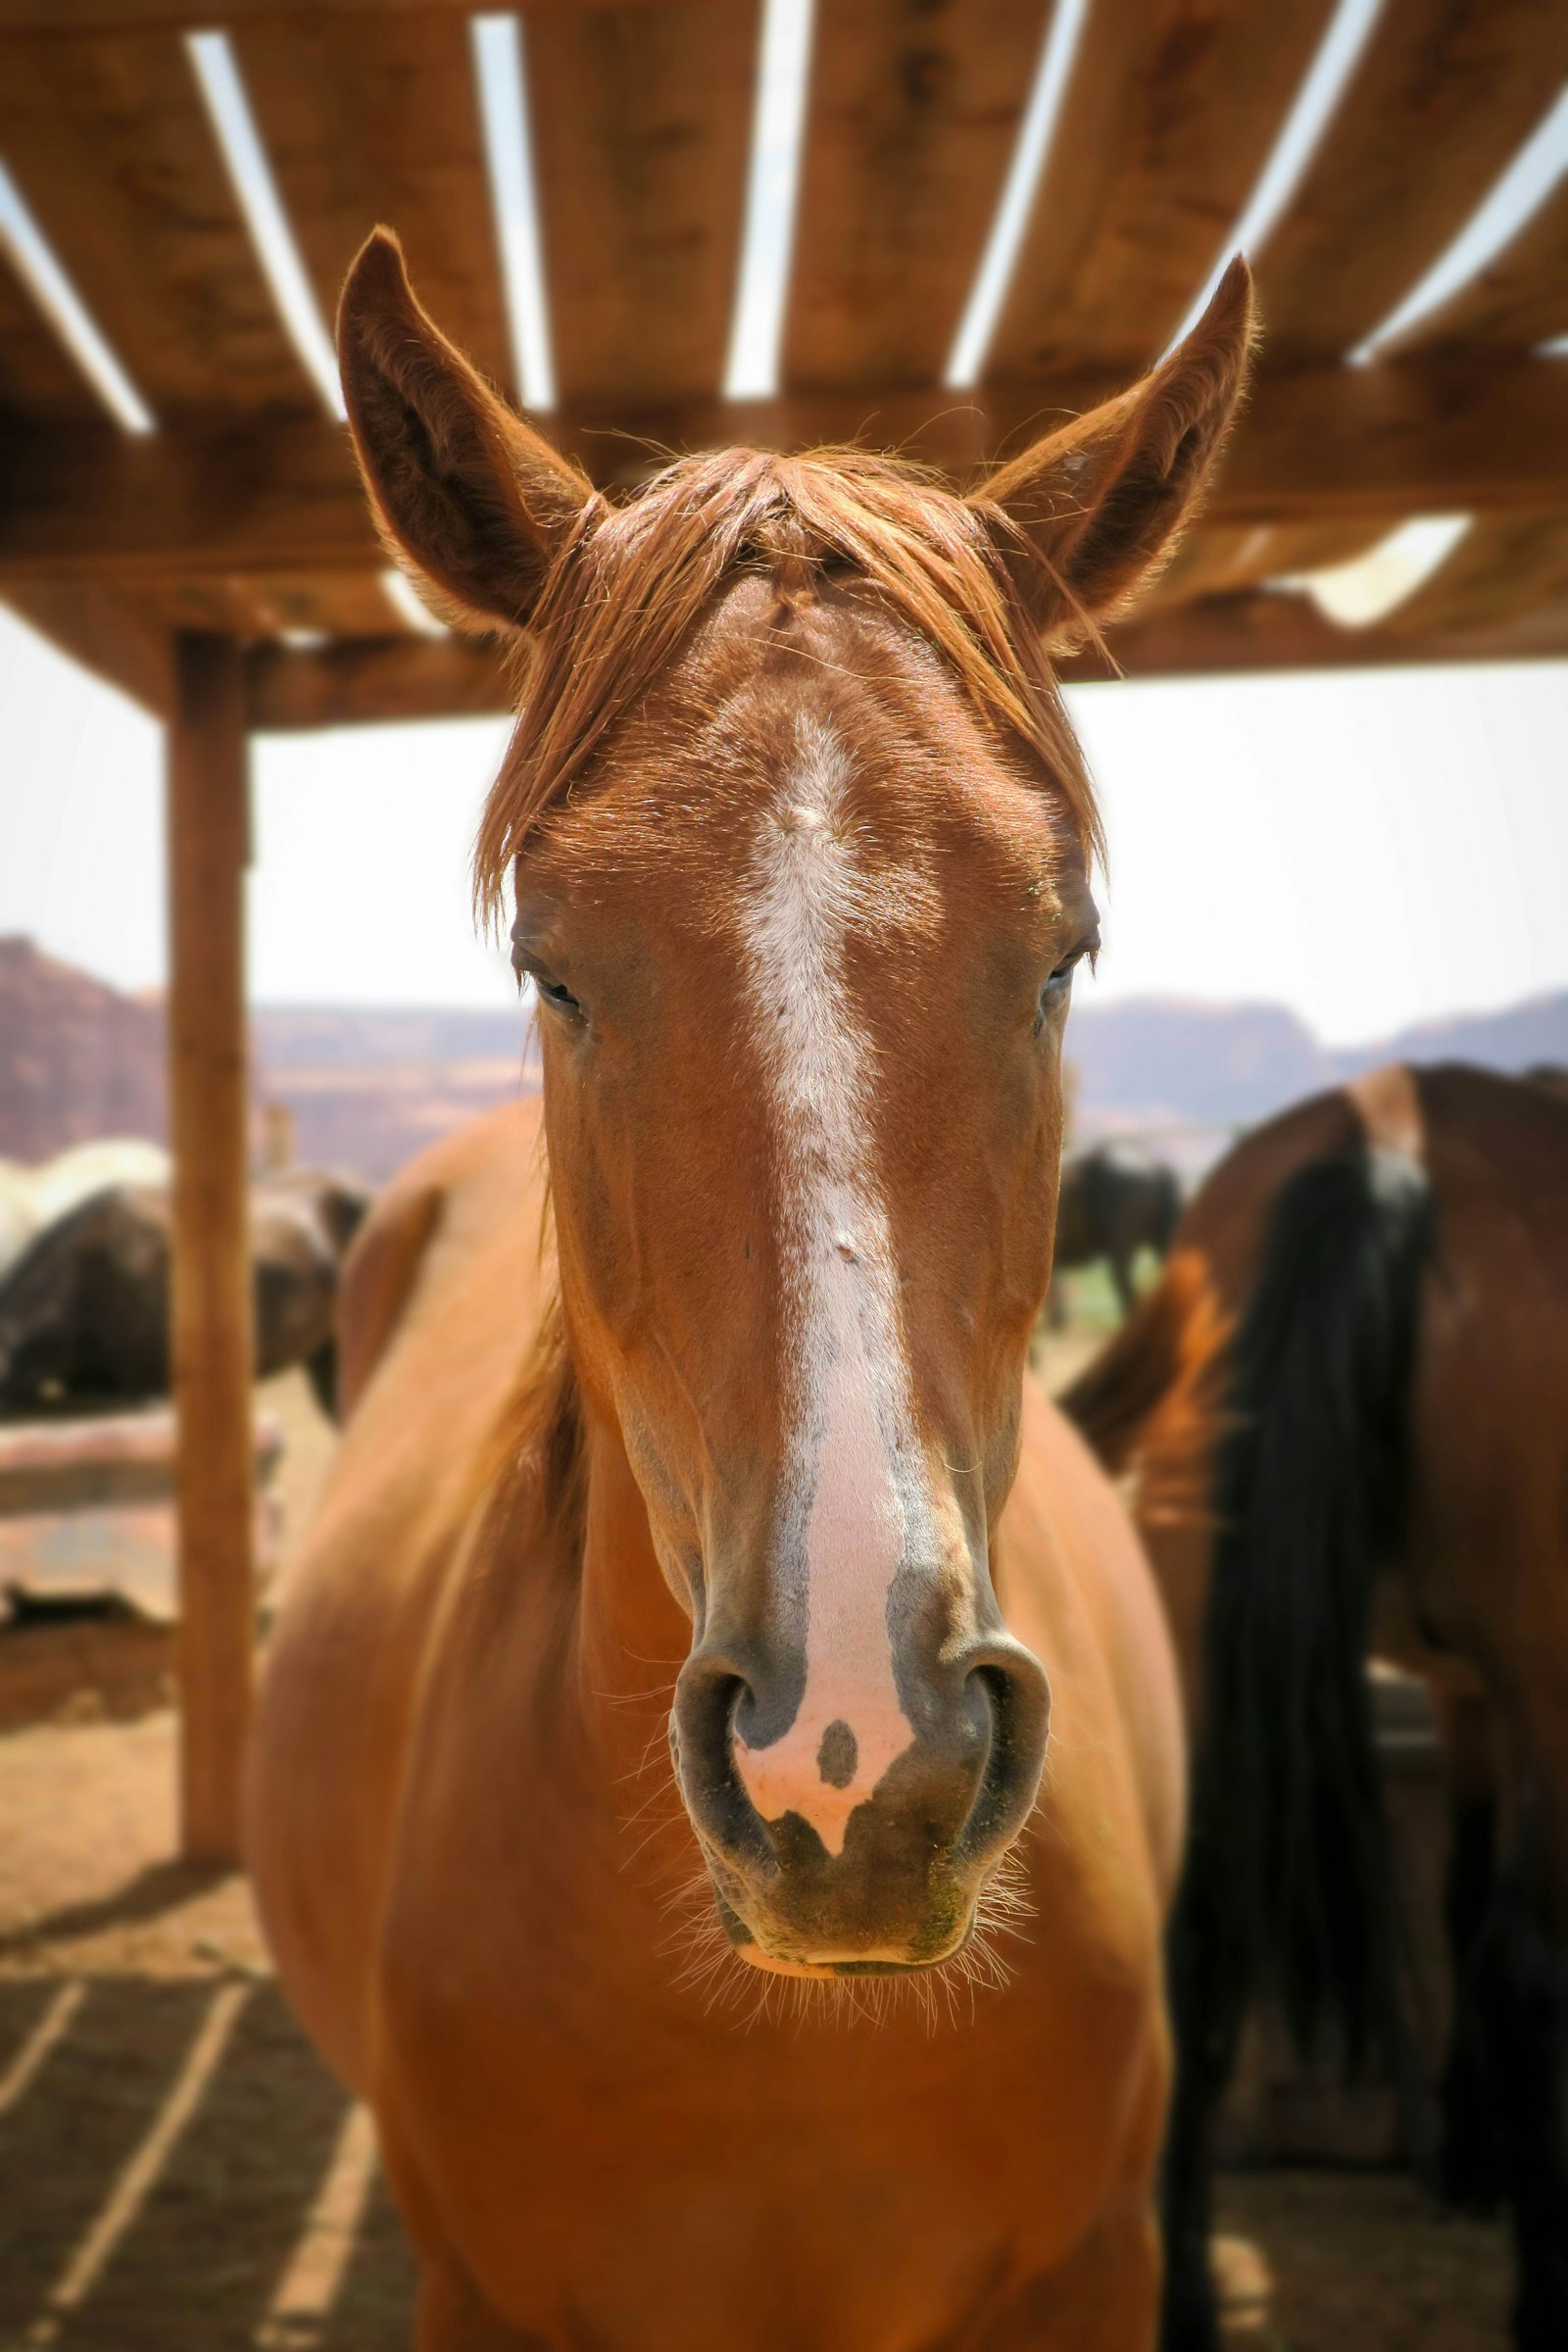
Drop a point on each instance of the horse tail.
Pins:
(1287, 1883)
(1159, 1352)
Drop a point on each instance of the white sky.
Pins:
(1369, 848)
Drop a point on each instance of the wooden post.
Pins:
(209, 847)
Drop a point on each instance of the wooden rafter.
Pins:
(913, 117)
(1519, 300)
(1500, 575)
(1443, 96)
(191, 16)
(1260, 630)
(1168, 117)
(110, 142)
(350, 683)
(37, 376)
(1334, 445)
(404, 81)
(641, 125)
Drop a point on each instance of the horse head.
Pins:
(799, 847)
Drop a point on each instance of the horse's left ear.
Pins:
(1099, 506)
(469, 498)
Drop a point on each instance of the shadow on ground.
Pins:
(180, 2172)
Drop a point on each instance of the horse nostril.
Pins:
(1018, 1702)
(711, 1695)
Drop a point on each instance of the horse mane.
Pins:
(631, 581)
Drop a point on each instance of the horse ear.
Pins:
(469, 499)
(1095, 509)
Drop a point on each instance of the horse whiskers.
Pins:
(635, 1698)
(675, 1821)
(656, 1746)
(710, 1968)
(660, 1789)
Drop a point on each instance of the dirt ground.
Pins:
(178, 2174)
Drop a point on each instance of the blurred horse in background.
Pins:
(1115, 1201)
(85, 1308)
(1346, 1407)
(37, 1196)
(728, 1513)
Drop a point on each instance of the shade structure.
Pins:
(938, 225)
(238, 511)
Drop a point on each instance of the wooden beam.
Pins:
(1168, 117)
(208, 853)
(109, 633)
(913, 117)
(642, 129)
(1327, 445)
(192, 16)
(1442, 97)
(274, 497)
(360, 682)
(1260, 630)
(114, 152)
(384, 678)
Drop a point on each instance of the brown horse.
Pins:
(714, 1548)
(1347, 1404)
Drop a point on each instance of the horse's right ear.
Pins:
(469, 500)
(1097, 506)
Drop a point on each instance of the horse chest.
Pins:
(651, 2223)
(666, 2178)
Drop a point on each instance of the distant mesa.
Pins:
(363, 1089)
(77, 1058)
(1186, 1075)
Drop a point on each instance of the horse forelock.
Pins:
(632, 581)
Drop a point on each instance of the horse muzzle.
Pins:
(824, 1857)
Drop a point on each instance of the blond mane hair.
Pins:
(631, 581)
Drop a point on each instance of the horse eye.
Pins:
(1062, 978)
(551, 991)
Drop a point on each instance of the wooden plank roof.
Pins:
(241, 512)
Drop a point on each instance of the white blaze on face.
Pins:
(853, 1477)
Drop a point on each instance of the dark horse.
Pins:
(1347, 1406)
(85, 1310)
(1115, 1199)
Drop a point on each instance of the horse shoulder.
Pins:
(362, 1594)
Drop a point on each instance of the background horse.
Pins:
(33, 1198)
(85, 1311)
(1114, 1200)
(727, 1515)
(1347, 1408)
